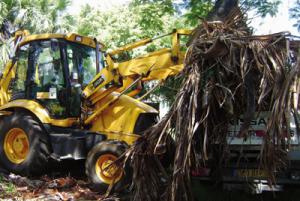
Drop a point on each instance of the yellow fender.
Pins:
(117, 120)
(39, 111)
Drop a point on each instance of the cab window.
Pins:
(48, 68)
(18, 85)
(46, 82)
(82, 62)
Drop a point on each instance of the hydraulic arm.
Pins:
(122, 76)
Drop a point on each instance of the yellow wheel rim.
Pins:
(16, 145)
(106, 171)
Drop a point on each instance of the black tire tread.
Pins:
(109, 146)
(35, 163)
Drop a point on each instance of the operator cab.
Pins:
(53, 72)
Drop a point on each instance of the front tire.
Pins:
(98, 169)
(24, 144)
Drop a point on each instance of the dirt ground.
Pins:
(66, 182)
(70, 184)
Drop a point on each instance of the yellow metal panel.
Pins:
(32, 106)
(21, 33)
(164, 73)
(80, 39)
(184, 31)
(142, 65)
(90, 89)
(40, 112)
(64, 122)
(4, 96)
(119, 117)
(134, 92)
(131, 46)
(70, 37)
(110, 63)
(128, 138)
(101, 93)
(42, 95)
(34, 37)
(8, 74)
(127, 81)
(159, 64)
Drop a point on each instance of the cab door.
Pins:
(47, 82)
(81, 62)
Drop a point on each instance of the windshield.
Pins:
(82, 62)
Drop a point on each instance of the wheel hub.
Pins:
(107, 171)
(16, 145)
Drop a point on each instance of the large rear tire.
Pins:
(24, 144)
(99, 171)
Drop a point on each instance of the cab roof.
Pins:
(72, 37)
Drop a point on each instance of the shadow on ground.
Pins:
(212, 192)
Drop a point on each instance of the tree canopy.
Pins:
(37, 16)
(119, 25)
(295, 14)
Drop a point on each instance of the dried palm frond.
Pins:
(228, 73)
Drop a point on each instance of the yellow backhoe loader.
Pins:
(63, 97)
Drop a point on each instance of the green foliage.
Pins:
(3, 11)
(166, 93)
(120, 25)
(165, 5)
(130, 24)
(149, 18)
(295, 14)
(197, 9)
(262, 7)
(108, 27)
(37, 16)
(152, 16)
(5, 51)
(140, 19)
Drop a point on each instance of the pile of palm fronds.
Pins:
(228, 72)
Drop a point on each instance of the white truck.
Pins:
(242, 168)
